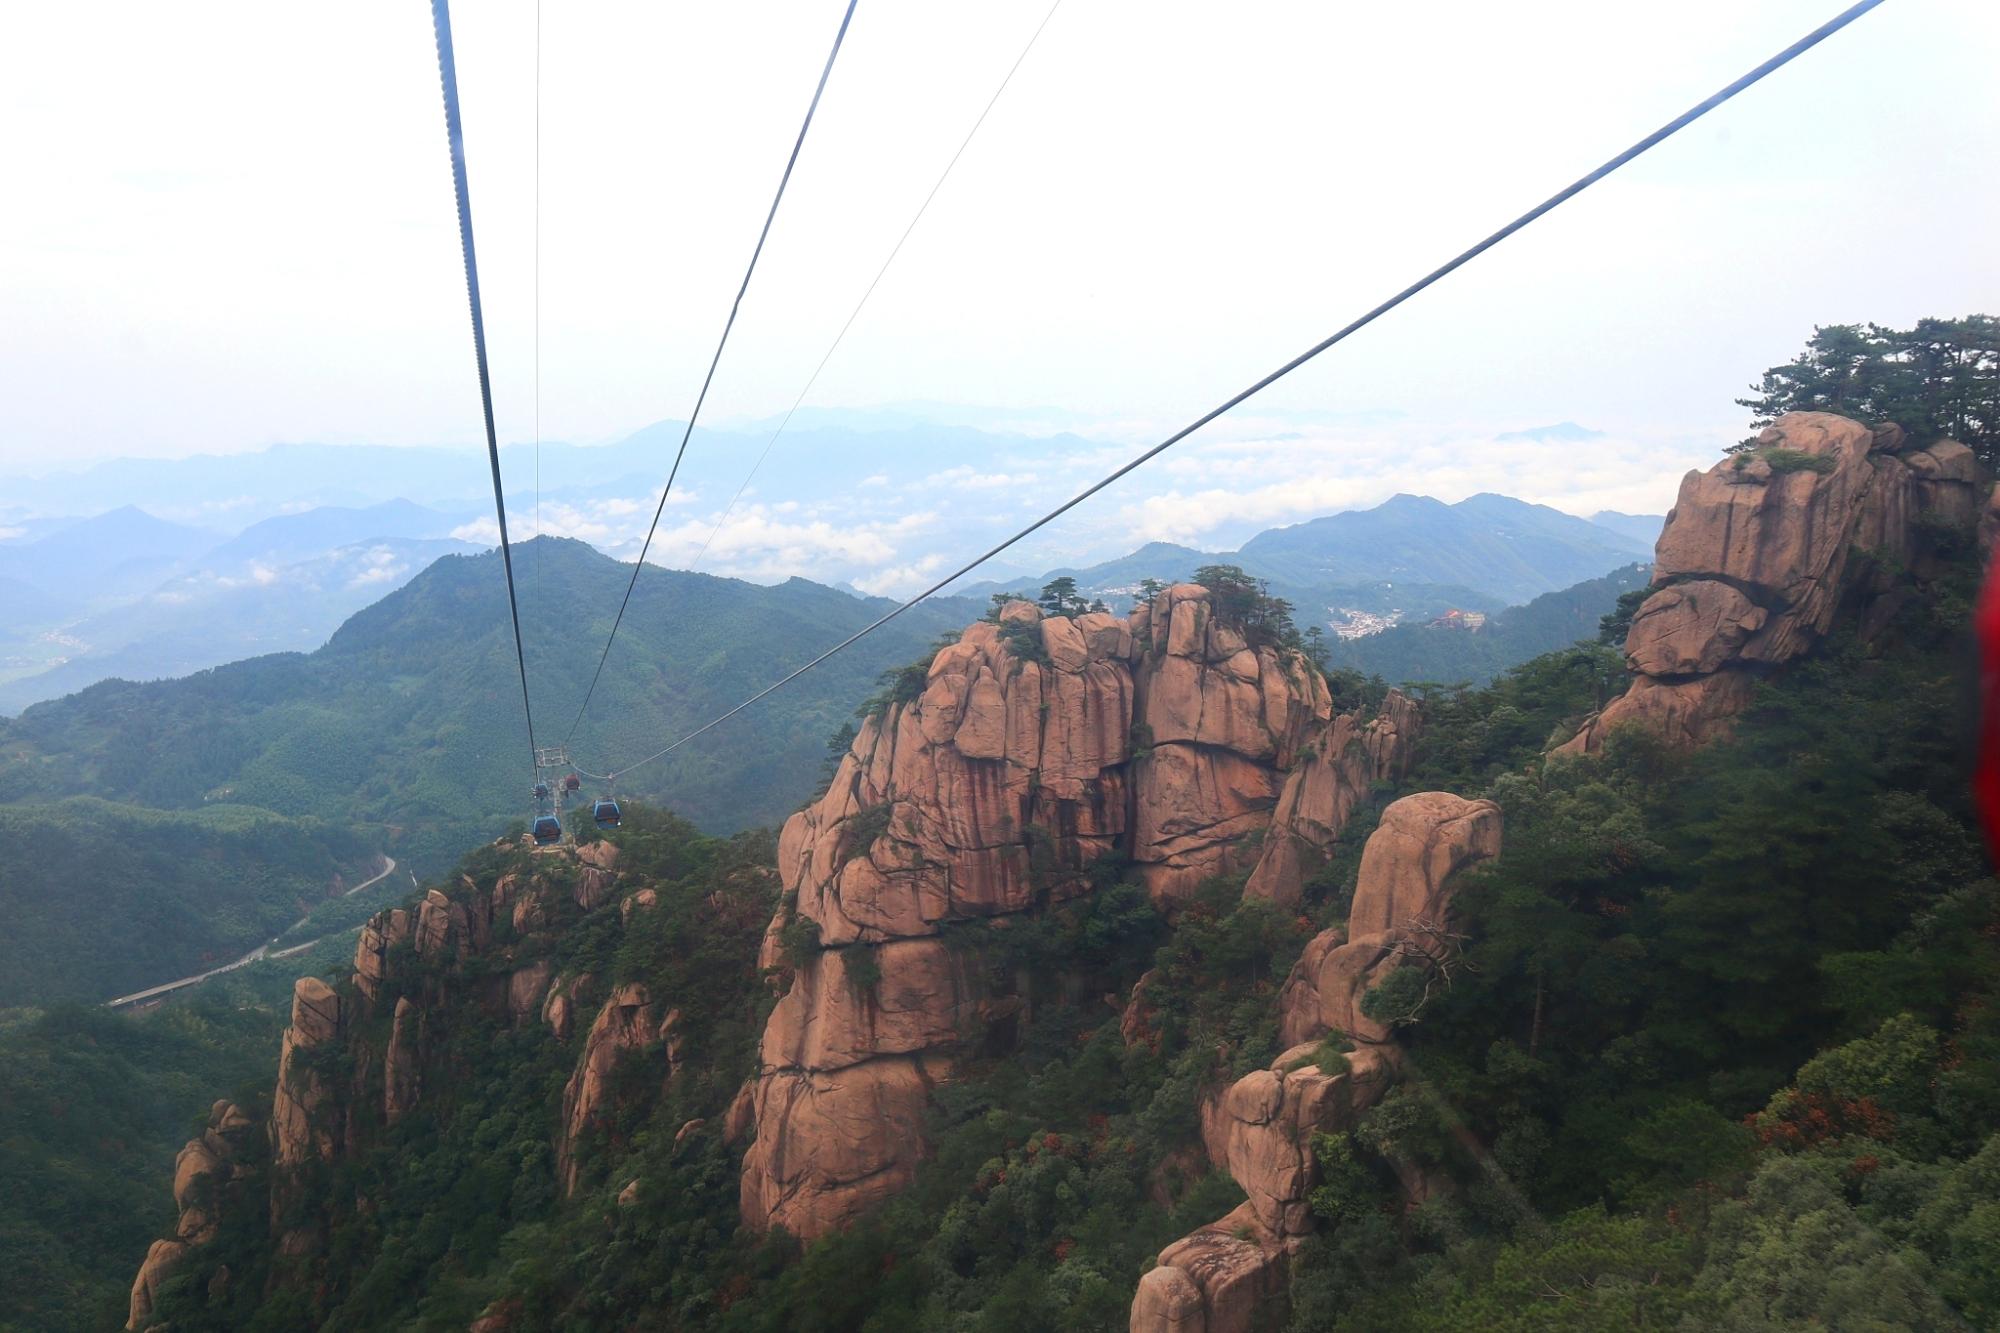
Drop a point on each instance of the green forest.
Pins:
(1724, 1055)
(408, 721)
(169, 826)
(102, 899)
(93, 1106)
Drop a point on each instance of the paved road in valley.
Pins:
(261, 951)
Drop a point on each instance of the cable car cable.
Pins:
(1680, 122)
(540, 603)
(714, 361)
(455, 134)
(876, 282)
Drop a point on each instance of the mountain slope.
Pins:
(225, 611)
(293, 537)
(117, 553)
(1639, 527)
(408, 720)
(1441, 654)
(1409, 554)
(1500, 546)
(102, 899)
(1692, 1059)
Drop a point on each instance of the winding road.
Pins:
(261, 951)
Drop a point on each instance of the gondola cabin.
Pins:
(541, 791)
(605, 813)
(547, 829)
(572, 782)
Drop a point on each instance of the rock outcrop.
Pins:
(362, 1055)
(1401, 900)
(1037, 745)
(1260, 1128)
(204, 1173)
(625, 1025)
(304, 1109)
(1762, 550)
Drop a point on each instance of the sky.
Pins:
(230, 225)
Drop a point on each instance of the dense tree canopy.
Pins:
(1939, 380)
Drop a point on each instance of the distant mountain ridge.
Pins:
(128, 594)
(408, 719)
(1410, 552)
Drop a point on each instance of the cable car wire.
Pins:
(714, 361)
(880, 273)
(455, 134)
(539, 602)
(1678, 123)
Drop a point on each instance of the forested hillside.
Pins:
(92, 1106)
(101, 899)
(407, 723)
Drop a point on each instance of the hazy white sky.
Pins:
(231, 224)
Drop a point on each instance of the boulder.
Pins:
(1690, 629)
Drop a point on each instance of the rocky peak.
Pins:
(206, 1174)
(1762, 550)
(1038, 745)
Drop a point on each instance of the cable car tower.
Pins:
(548, 826)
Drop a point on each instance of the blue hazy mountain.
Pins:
(94, 562)
(1410, 553)
(1640, 527)
(211, 616)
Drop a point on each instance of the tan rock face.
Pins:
(1221, 1279)
(1763, 549)
(1407, 875)
(846, 1141)
(305, 1108)
(626, 1024)
(559, 1010)
(1335, 774)
(1164, 737)
(161, 1259)
(399, 1067)
(1260, 1129)
(525, 988)
(205, 1168)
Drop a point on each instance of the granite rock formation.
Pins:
(1764, 549)
(1260, 1129)
(1037, 745)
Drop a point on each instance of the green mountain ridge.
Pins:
(1411, 554)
